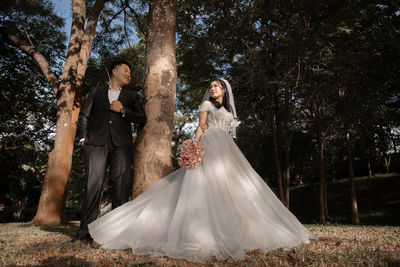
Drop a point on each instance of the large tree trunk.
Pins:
(354, 208)
(51, 204)
(152, 157)
(323, 208)
(51, 209)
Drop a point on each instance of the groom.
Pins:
(105, 132)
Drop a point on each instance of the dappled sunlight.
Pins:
(26, 244)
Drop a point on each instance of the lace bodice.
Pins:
(219, 118)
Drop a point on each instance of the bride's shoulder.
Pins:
(207, 103)
(206, 106)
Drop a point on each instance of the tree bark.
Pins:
(152, 159)
(51, 208)
(354, 207)
(87, 41)
(51, 204)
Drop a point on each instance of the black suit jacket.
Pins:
(97, 121)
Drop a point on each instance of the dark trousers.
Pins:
(97, 159)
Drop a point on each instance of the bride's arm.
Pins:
(202, 120)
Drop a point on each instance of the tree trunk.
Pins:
(286, 150)
(323, 209)
(369, 168)
(286, 173)
(354, 208)
(386, 159)
(152, 157)
(51, 208)
(277, 160)
(51, 204)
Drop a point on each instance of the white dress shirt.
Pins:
(113, 94)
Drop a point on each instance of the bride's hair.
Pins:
(224, 99)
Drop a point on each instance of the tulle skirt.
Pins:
(221, 208)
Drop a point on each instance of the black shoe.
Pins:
(85, 239)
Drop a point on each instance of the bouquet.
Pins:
(191, 154)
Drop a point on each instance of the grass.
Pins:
(375, 243)
(24, 244)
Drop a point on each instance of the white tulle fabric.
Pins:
(220, 208)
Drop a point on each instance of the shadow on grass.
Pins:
(73, 261)
(68, 229)
(66, 261)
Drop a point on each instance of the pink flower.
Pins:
(191, 154)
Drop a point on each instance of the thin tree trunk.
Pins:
(277, 161)
(369, 168)
(286, 150)
(152, 157)
(274, 136)
(322, 177)
(354, 208)
(287, 170)
(387, 162)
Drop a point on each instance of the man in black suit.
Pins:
(105, 132)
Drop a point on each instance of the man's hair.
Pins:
(117, 63)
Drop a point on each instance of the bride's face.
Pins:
(216, 90)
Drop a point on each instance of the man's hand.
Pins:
(82, 142)
(116, 106)
(203, 126)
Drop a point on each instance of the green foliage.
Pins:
(37, 19)
(280, 58)
(27, 109)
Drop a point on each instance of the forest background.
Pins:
(316, 87)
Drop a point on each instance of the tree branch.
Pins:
(39, 58)
(109, 22)
(87, 41)
(125, 30)
(27, 35)
(137, 18)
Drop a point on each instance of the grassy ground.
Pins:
(375, 243)
(24, 244)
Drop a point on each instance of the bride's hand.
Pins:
(203, 126)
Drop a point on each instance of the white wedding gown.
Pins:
(220, 208)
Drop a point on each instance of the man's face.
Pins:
(122, 74)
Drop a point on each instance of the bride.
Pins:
(221, 208)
